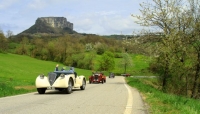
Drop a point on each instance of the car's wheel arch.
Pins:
(68, 90)
(83, 86)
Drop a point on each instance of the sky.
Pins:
(102, 17)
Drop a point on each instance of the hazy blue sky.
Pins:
(103, 17)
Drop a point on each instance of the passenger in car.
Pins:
(63, 69)
(56, 69)
(71, 69)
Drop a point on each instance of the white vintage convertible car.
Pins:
(60, 80)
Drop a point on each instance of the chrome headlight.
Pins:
(62, 75)
(41, 76)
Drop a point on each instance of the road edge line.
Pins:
(129, 104)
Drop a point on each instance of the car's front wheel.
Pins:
(60, 89)
(68, 90)
(41, 90)
(102, 81)
(83, 84)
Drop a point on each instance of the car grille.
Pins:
(52, 78)
(96, 77)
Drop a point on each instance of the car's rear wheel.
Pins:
(83, 84)
(41, 90)
(68, 90)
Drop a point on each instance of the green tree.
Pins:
(23, 48)
(107, 62)
(38, 44)
(126, 61)
(194, 41)
(178, 60)
(166, 15)
(3, 43)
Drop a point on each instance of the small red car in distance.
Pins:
(97, 77)
(126, 75)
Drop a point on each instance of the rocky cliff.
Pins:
(51, 25)
(56, 22)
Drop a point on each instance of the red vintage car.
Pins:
(97, 78)
(126, 75)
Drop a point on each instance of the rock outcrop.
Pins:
(51, 25)
(57, 22)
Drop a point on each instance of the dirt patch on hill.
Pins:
(25, 87)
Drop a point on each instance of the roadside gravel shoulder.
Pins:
(139, 106)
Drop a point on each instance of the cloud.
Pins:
(110, 22)
(88, 16)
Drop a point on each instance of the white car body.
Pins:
(60, 80)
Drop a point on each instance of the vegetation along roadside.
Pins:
(163, 103)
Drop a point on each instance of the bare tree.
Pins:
(9, 33)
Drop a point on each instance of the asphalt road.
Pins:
(112, 97)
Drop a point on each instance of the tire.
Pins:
(41, 90)
(83, 85)
(102, 81)
(68, 90)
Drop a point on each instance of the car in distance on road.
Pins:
(111, 75)
(126, 75)
(60, 80)
(97, 78)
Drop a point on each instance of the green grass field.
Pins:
(162, 103)
(18, 73)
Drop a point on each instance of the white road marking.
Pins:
(129, 101)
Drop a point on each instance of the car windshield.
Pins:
(63, 72)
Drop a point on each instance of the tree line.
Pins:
(71, 50)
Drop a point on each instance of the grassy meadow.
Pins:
(18, 73)
(162, 103)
